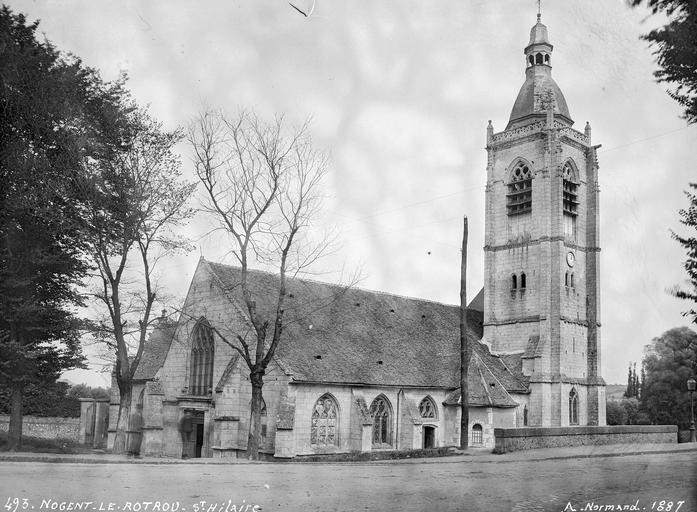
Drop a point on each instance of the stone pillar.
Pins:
(152, 430)
(87, 417)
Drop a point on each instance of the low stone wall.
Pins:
(514, 439)
(45, 428)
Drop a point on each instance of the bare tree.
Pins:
(262, 186)
(137, 198)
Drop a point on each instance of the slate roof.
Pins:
(354, 336)
(155, 350)
(484, 389)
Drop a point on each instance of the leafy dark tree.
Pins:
(44, 399)
(85, 391)
(53, 114)
(615, 414)
(688, 217)
(136, 200)
(676, 50)
(669, 362)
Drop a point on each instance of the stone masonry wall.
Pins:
(508, 440)
(46, 428)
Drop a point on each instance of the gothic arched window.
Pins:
(573, 407)
(325, 422)
(477, 434)
(427, 408)
(202, 354)
(381, 412)
(519, 196)
(570, 199)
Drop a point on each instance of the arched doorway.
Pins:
(429, 436)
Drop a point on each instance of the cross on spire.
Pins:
(539, 10)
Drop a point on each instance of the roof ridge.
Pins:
(336, 285)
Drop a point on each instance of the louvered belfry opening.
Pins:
(202, 354)
(519, 196)
(570, 191)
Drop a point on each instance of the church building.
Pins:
(360, 370)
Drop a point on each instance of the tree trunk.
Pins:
(464, 347)
(15, 429)
(254, 438)
(122, 424)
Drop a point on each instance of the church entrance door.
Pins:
(198, 429)
(429, 437)
(193, 434)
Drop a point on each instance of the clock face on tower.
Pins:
(570, 258)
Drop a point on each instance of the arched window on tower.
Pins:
(531, 60)
(381, 412)
(571, 282)
(525, 416)
(566, 279)
(546, 59)
(570, 199)
(514, 282)
(324, 428)
(519, 196)
(202, 355)
(538, 58)
(523, 281)
(573, 407)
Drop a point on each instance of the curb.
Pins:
(487, 459)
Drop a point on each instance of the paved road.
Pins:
(431, 485)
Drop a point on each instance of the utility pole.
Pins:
(464, 346)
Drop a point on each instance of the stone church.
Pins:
(361, 370)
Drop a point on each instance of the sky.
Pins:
(400, 93)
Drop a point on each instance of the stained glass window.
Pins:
(381, 413)
(202, 352)
(427, 409)
(325, 422)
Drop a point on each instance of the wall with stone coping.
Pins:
(46, 428)
(515, 439)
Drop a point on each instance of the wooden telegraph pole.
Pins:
(464, 346)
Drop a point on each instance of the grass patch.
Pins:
(40, 445)
(377, 455)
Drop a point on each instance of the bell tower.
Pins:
(541, 283)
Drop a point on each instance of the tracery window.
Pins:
(477, 434)
(202, 354)
(519, 196)
(381, 412)
(427, 409)
(325, 422)
(573, 407)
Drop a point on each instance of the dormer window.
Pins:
(519, 196)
